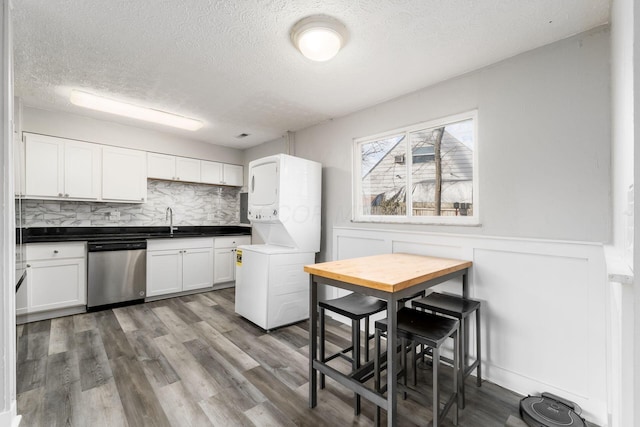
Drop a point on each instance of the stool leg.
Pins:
(456, 372)
(463, 365)
(436, 391)
(403, 361)
(478, 351)
(376, 370)
(366, 339)
(321, 345)
(415, 363)
(355, 353)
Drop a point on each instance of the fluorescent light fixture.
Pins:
(95, 102)
(319, 37)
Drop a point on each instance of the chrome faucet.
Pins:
(169, 216)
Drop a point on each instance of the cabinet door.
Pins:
(124, 176)
(224, 265)
(81, 170)
(210, 172)
(197, 268)
(161, 166)
(53, 284)
(164, 272)
(187, 169)
(44, 166)
(233, 175)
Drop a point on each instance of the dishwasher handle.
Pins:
(117, 246)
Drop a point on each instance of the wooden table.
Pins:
(390, 277)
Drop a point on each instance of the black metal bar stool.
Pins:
(431, 331)
(402, 302)
(356, 307)
(458, 308)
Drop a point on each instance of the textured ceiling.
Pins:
(231, 64)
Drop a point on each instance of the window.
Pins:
(423, 154)
(435, 160)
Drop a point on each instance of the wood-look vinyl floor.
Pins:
(191, 361)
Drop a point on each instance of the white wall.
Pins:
(543, 317)
(270, 148)
(544, 142)
(57, 123)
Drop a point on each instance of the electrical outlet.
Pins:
(113, 216)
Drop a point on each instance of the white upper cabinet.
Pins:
(211, 172)
(233, 175)
(221, 173)
(124, 175)
(61, 168)
(161, 166)
(187, 169)
(172, 168)
(82, 170)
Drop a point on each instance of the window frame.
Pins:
(408, 218)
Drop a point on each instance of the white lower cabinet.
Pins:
(164, 271)
(177, 265)
(197, 268)
(224, 263)
(56, 278)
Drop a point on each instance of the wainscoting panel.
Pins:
(544, 307)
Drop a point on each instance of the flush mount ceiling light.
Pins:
(319, 37)
(95, 102)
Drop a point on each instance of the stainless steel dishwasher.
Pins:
(117, 272)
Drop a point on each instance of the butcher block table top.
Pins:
(388, 272)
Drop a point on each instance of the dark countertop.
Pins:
(92, 234)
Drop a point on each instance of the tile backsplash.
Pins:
(192, 204)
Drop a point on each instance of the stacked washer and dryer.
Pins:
(272, 290)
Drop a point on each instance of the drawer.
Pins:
(231, 241)
(36, 251)
(180, 243)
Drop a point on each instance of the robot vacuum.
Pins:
(548, 410)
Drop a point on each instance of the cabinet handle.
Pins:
(178, 178)
(66, 195)
(28, 265)
(59, 194)
(55, 251)
(142, 198)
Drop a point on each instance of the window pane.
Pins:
(384, 176)
(442, 170)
